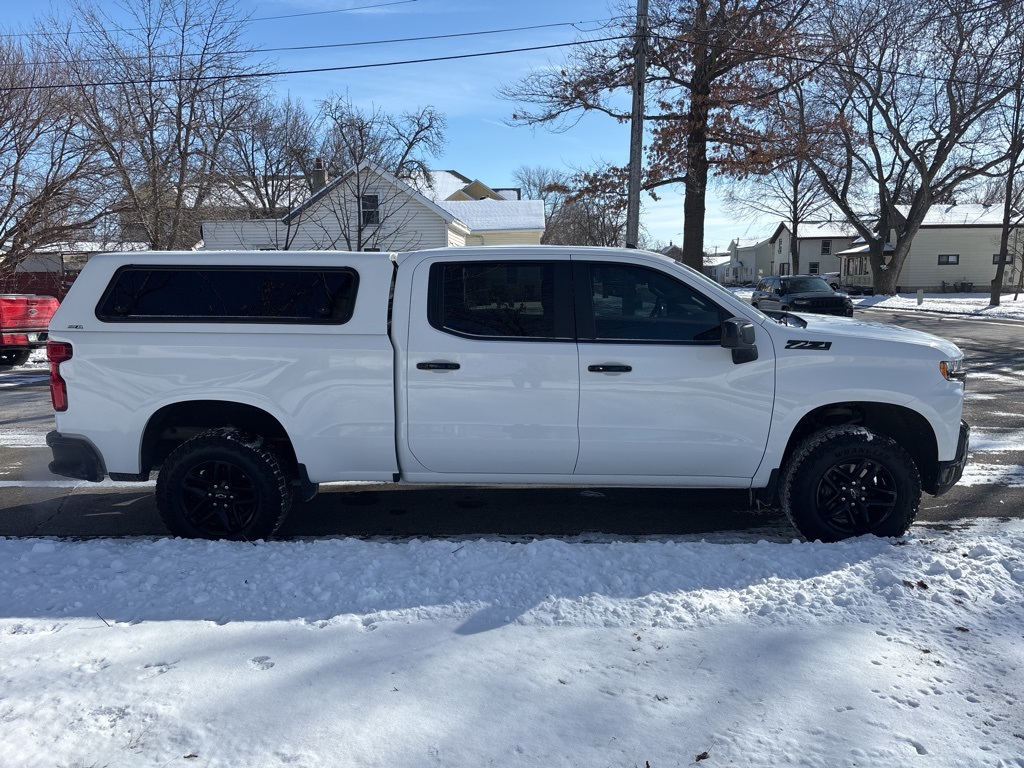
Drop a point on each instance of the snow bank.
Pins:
(516, 653)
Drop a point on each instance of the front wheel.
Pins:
(847, 481)
(223, 484)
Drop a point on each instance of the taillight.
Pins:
(57, 352)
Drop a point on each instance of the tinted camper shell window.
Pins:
(229, 295)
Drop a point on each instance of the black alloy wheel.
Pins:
(218, 498)
(223, 484)
(856, 497)
(848, 481)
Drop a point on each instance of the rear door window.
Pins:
(494, 299)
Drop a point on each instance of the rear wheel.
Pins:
(847, 481)
(14, 356)
(223, 484)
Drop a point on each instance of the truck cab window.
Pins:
(632, 303)
(498, 299)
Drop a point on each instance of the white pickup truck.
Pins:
(247, 379)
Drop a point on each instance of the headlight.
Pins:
(953, 370)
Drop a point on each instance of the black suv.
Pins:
(800, 293)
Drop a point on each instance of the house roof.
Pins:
(968, 215)
(860, 248)
(326, 190)
(825, 230)
(441, 184)
(751, 242)
(497, 215)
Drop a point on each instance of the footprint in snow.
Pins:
(261, 662)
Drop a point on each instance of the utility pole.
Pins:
(636, 133)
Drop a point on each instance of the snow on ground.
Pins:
(973, 304)
(488, 652)
(969, 304)
(596, 651)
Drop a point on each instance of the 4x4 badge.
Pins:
(822, 345)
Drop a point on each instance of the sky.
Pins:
(480, 142)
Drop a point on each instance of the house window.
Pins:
(784, 269)
(812, 268)
(370, 209)
(1007, 260)
(949, 258)
(826, 248)
(780, 246)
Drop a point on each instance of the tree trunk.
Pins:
(884, 276)
(695, 189)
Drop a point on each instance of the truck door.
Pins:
(659, 396)
(492, 370)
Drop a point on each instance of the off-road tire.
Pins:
(223, 484)
(847, 481)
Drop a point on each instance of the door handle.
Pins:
(438, 366)
(609, 368)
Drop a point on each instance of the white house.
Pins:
(369, 209)
(750, 259)
(818, 246)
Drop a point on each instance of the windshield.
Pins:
(806, 285)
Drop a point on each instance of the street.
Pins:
(35, 503)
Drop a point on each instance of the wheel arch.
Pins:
(904, 425)
(173, 424)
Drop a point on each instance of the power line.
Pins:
(256, 18)
(315, 70)
(327, 46)
(336, 10)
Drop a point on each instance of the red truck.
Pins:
(24, 320)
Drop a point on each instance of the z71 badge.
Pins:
(822, 345)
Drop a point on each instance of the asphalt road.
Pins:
(31, 506)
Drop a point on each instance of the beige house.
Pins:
(369, 209)
(960, 244)
(956, 250)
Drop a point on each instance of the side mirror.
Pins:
(738, 335)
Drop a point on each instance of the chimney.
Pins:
(318, 178)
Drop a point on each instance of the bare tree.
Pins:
(376, 159)
(905, 114)
(705, 60)
(789, 190)
(593, 209)
(158, 94)
(1012, 129)
(268, 156)
(548, 184)
(53, 181)
(400, 143)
